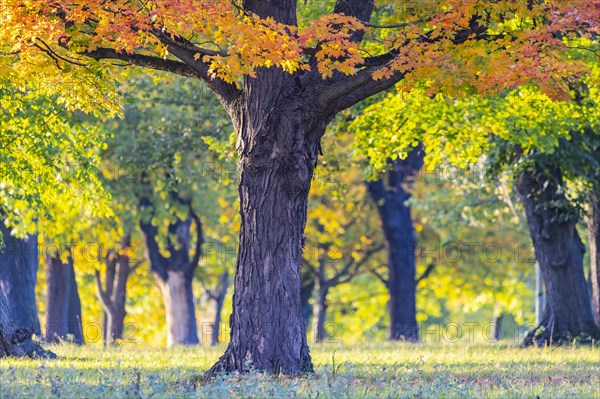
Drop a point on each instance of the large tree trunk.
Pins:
(174, 276)
(18, 311)
(320, 311)
(278, 143)
(63, 306)
(593, 223)
(559, 251)
(114, 293)
(18, 276)
(390, 194)
(16, 341)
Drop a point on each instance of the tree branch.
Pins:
(426, 273)
(199, 238)
(189, 67)
(379, 277)
(351, 268)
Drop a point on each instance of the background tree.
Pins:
(550, 216)
(164, 178)
(340, 242)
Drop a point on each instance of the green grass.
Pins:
(361, 371)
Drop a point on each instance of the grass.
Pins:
(364, 371)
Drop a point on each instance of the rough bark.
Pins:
(559, 251)
(174, 276)
(114, 293)
(279, 134)
(390, 194)
(63, 305)
(593, 223)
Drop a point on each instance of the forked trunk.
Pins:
(593, 223)
(174, 276)
(63, 306)
(390, 194)
(114, 293)
(278, 143)
(559, 251)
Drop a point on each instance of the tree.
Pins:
(390, 194)
(544, 145)
(163, 176)
(18, 275)
(559, 251)
(294, 82)
(339, 242)
(63, 306)
(113, 293)
(217, 294)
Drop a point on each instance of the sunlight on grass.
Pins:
(379, 370)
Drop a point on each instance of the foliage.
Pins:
(48, 160)
(482, 45)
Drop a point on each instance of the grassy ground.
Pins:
(383, 370)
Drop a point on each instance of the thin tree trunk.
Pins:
(174, 276)
(114, 294)
(390, 194)
(497, 323)
(110, 262)
(63, 306)
(306, 292)
(278, 144)
(219, 301)
(320, 311)
(559, 251)
(593, 223)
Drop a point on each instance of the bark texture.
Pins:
(593, 223)
(278, 145)
(113, 293)
(559, 251)
(63, 305)
(174, 275)
(390, 194)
